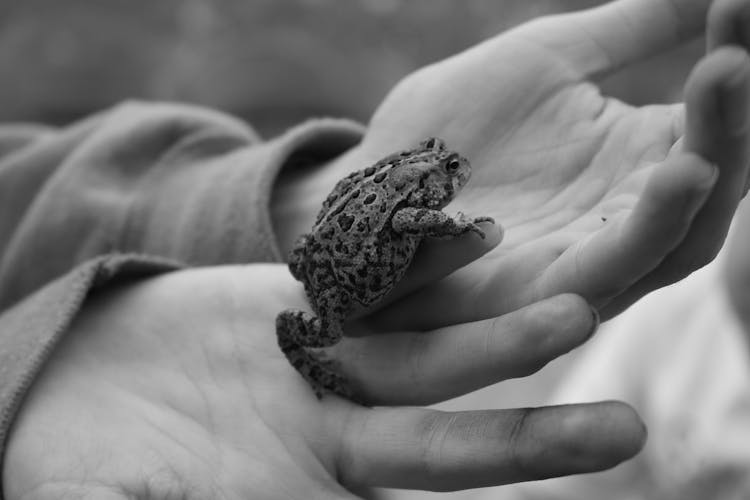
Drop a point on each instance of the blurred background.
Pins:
(271, 62)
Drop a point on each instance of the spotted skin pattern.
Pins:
(362, 243)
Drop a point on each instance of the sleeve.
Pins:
(174, 181)
(30, 330)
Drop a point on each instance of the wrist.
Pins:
(299, 192)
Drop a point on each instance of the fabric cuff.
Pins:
(31, 329)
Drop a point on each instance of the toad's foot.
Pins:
(295, 328)
(466, 224)
(429, 222)
(322, 374)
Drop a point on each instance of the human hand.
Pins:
(174, 387)
(736, 269)
(723, 29)
(597, 197)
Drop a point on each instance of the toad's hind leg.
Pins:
(296, 330)
(321, 374)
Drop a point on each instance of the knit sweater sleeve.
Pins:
(138, 190)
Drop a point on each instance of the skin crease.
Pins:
(142, 400)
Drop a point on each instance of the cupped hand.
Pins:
(174, 387)
(597, 197)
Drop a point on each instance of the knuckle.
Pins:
(691, 263)
(518, 459)
(566, 313)
(435, 430)
(549, 329)
(703, 259)
(567, 307)
(726, 11)
(417, 359)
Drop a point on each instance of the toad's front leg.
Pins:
(429, 222)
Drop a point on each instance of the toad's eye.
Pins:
(452, 165)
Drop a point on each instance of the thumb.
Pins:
(728, 24)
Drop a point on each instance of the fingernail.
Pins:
(493, 234)
(596, 320)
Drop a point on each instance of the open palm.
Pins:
(597, 197)
(174, 387)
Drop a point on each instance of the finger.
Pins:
(436, 258)
(432, 450)
(602, 40)
(313, 492)
(717, 99)
(423, 368)
(627, 248)
(728, 24)
(718, 105)
(717, 123)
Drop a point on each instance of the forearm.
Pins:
(179, 182)
(89, 189)
(299, 192)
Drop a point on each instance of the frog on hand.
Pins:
(361, 245)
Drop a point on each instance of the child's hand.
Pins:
(597, 197)
(174, 387)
